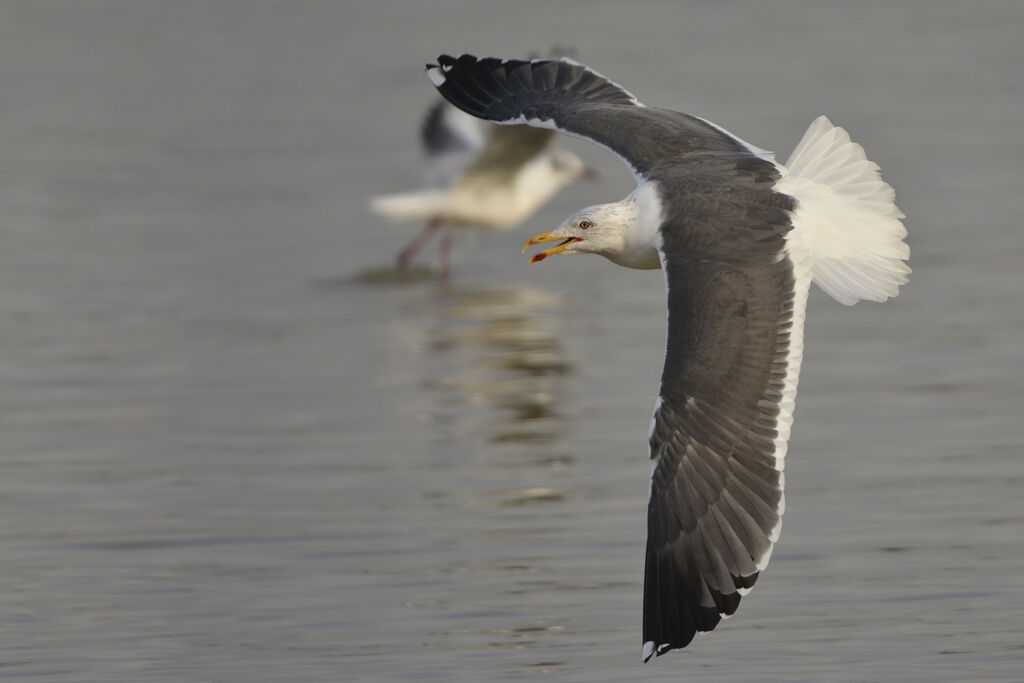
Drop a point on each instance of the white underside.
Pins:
(484, 208)
(417, 205)
(476, 202)
(784, 422)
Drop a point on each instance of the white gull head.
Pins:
(624, 232)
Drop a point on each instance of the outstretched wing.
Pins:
(572, 98)
(721, 423)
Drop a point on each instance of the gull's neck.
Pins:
(641, 218)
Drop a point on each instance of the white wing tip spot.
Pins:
(650, 649)
(436, 75)
(762, 563)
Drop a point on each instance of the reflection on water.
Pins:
(489, 377)
(512, 368)
(391, 276)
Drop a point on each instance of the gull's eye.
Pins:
(584, 225)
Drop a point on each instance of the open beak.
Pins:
(547, 237)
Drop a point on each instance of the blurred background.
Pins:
(231, 451)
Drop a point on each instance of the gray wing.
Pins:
(572, 98)
(716, 497)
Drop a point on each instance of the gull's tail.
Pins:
(420, 205)
(846, 220)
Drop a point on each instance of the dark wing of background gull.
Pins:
(716, 492)
(443, 133)
(451, 140)
(458, 145)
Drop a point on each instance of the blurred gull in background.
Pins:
(489, 178)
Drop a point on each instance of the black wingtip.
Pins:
(502, 90)
(443, 61)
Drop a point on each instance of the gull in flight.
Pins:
(740, 238)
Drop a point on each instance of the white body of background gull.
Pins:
(489, 179)
(740, 238)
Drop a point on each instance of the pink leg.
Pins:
(417, 244)
(446, 253)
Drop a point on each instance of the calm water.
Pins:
(231, 453)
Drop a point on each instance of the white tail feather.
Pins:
(410, 206)
(846, 219)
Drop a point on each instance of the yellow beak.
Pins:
(547, 237)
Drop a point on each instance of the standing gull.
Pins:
(740, 238)
(476, 180)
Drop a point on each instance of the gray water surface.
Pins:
(235, 449)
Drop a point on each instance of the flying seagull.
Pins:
(478, 179)
(739, 237)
